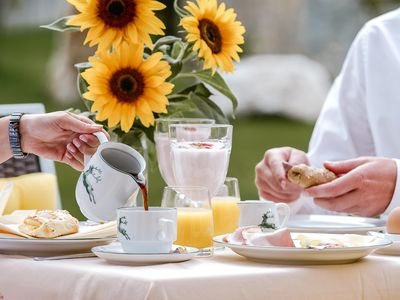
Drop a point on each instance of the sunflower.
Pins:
(215, 33)
(111, 22)
(122, 85)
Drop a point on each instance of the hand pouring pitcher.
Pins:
(109, 180)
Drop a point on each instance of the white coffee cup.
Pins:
(255, 212)
(107, 181)
(152, 231)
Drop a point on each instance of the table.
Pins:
(224, 276)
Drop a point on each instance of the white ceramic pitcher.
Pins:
(109, 180)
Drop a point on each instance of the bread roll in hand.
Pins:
(307, 176)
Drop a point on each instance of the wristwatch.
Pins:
(14, 136)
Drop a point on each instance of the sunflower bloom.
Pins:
(122, 86)
(111, 22)
(215, 34)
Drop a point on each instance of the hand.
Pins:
(48, 135)
(365, 186)
(271, 179)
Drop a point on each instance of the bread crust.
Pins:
(307, 176)
(49, 224)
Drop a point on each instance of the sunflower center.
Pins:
(210, 33)
(127, 85)
(116, 13)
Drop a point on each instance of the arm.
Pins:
(5, 150)
(51, 136)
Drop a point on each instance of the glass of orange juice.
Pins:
(195, 218)
(225, 208)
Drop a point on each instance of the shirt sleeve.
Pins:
(342, 130)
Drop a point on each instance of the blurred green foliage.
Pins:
(23, 59)
(379, 6)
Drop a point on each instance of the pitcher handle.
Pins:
(284, 210)
(102, 139)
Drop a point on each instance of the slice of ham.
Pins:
(253, 236)
(239, 236)
(278, 238)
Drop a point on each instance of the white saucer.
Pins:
(114, 254)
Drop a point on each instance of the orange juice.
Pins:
(225, 214)
(195, 227)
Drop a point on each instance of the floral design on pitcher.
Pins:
(123, 221)
(95, 173)
(268, 221)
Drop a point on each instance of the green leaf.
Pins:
(181, 84)
(208, 108)
(175, 69)
(165, 40)
(215, 81)
(180, 11)
(61, 25)
(201, 89)
(180, 107)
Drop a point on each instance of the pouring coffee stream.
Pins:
(141, 181)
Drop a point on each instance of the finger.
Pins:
(273, 159)
(68, 122)
(337, 187)
(356, 210)
(267, 190)
(83, 147)
(90, 140)
(298, 157)
(339, 204)
(71, 148)
(271, 197)
(342, 167)
(70, 160)
(78, 157)
(264, 174)
(81, 118)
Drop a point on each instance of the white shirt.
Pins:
(361, 116)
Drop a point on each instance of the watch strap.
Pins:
(14, 135)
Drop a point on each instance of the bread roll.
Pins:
(49, 224)
(307, 176)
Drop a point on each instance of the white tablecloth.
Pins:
(224, 276)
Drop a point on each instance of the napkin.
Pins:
(31, 191)
(9, 226)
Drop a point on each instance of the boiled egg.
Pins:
(393, 221)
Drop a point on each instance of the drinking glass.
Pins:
(225, 207)
(200, 154)
(163, 148)
(195, 222)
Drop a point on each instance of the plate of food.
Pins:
(334, 224)
(283, 247)
(42, 233)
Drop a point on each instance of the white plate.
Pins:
(393, 249)
(45, 247)
(115, 254)
(334, 224)
(288, 255)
